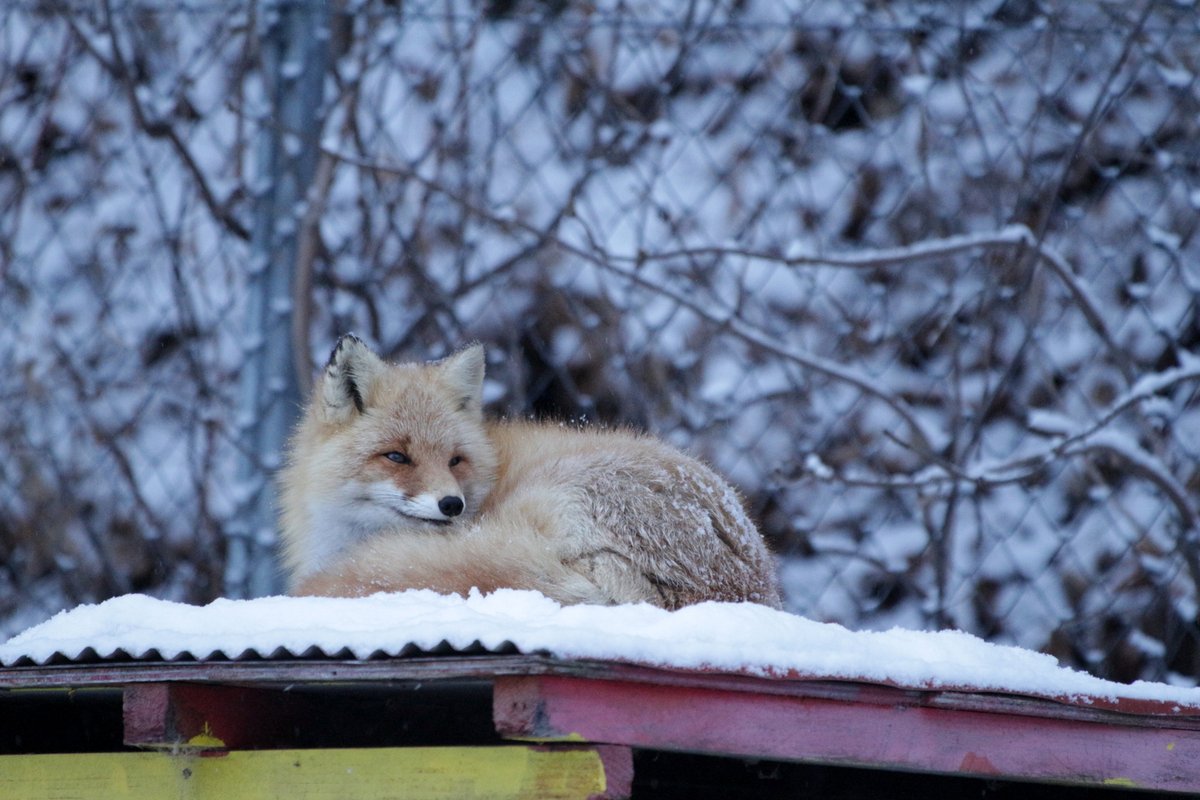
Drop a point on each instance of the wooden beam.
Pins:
(845, 732)
(418, 773)
(425, 670)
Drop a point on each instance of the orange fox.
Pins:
(395, 481)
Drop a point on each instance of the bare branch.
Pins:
(742, 330)
(157, 128)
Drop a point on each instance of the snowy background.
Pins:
(922, 278)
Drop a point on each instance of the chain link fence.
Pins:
(921, 278)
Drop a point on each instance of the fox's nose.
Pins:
(450, 505)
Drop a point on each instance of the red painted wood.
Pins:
(173, 714)
(147, 714)
(618, 772)
(833, 731)
(282, 673)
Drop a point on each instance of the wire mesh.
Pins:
(921, 278)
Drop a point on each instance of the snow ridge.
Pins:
(735, 637)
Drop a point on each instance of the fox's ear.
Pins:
(464, 372)
(348, 376)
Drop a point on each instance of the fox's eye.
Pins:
(454, 462)
(397, 457)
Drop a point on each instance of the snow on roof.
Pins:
(734, 637)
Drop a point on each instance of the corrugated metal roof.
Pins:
(120, 655)
(381, 638)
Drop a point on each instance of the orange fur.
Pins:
(580, 515)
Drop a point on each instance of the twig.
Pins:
(1145, 466)
(308, 236)
(1103, 102)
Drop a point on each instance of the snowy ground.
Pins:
(734, 637)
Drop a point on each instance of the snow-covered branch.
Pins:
(549, 236)
(1012, 237)
(1072, 440)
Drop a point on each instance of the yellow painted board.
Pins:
(406, 773)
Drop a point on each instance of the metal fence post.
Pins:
(294, 40)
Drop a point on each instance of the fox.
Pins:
(395, 480)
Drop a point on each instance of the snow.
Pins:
(735, 637)
(815, 466)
